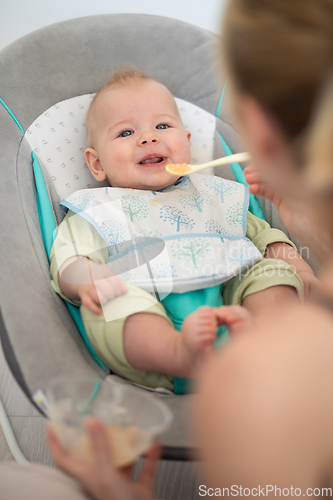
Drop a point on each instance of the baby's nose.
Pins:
(148, 138)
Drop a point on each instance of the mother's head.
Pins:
(253, 397)
(279, 59)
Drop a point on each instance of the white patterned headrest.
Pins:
(58, 137)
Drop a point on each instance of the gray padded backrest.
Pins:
(52, 64)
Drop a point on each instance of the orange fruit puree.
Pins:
(126, 444)
(179, 168)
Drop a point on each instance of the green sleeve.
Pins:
(75, 236)
(262, 234)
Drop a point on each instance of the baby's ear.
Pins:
(94, 164)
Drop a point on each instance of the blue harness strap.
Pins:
(254, 206)
(219, 106)
(48, 227)
(12, 115)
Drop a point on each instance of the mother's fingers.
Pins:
(252, 177)
(259, 187)
(100, 443)
(250, 168)
(264, 190)
(62, 457)
(234, 317)
(149, 468)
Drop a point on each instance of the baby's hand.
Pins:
(199, 331)
(104, 286)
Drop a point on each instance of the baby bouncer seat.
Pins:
(47, 79)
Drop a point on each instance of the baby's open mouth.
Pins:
(149, 161)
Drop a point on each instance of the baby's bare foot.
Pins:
(198, 335)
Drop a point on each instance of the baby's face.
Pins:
(137, 133)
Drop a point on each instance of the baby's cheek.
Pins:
(121, 160)
(121, 154)
(188, 154)
(183, 151)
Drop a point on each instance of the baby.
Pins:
(134, 130)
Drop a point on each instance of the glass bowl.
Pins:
(133, 418)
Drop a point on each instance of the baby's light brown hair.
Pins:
(120, 77)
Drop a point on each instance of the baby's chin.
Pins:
(160, 181)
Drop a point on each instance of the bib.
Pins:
(182, 238)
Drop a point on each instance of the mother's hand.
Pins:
(296, 215)
(259, 187)
(101, 479)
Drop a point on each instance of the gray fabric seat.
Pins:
(64, 60)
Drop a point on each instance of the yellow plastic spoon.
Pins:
(185, 169)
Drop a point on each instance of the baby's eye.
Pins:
(162, 126)
(126, 133)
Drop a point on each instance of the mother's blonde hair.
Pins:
(281, 53)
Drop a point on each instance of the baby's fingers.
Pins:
(117, 285)
(110, 287)
(92, 303)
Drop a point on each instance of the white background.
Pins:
(20, 17)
